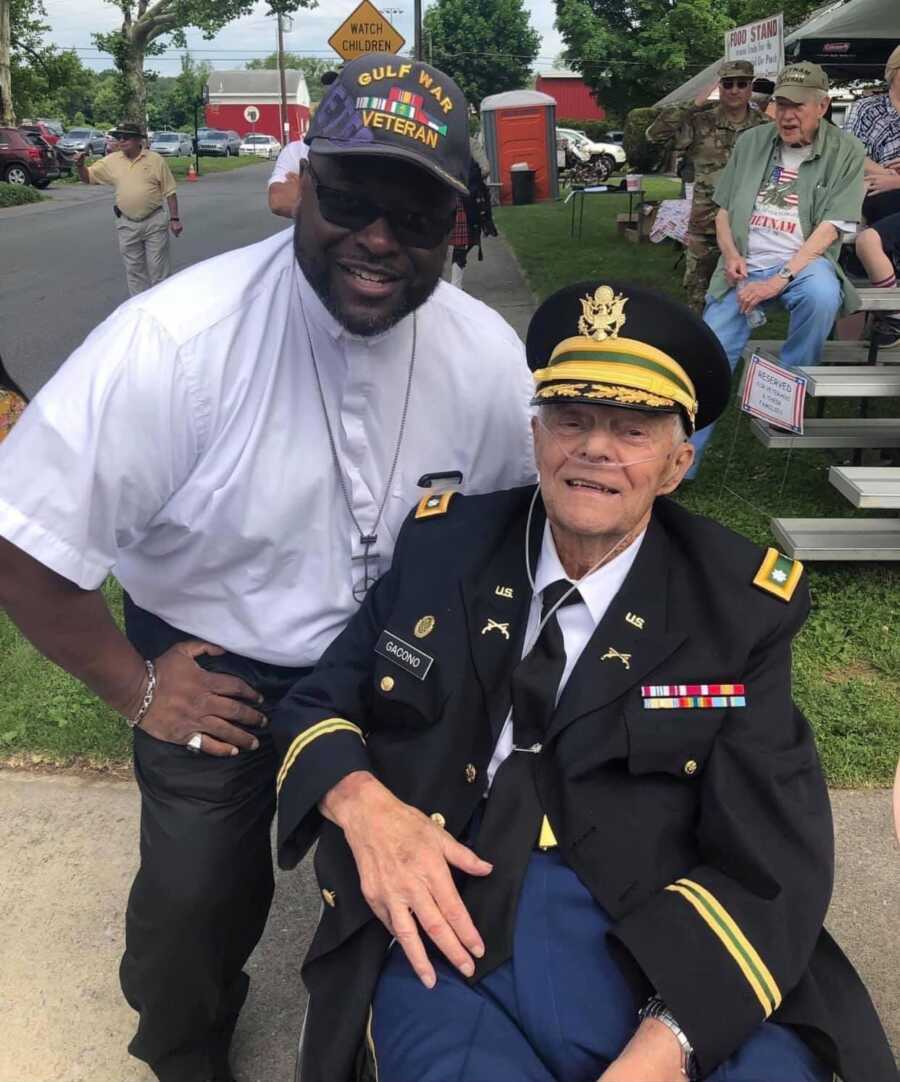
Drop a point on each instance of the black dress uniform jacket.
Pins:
(705, 833)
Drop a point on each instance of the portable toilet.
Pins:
(520, 126)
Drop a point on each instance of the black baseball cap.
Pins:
(397, 108)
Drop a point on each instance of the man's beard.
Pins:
(316, 272)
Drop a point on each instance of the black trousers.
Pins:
(200, 900)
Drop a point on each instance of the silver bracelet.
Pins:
(656, 1008)
(152, 683)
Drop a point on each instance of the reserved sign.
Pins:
(774, 394)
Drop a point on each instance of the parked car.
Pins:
(219, 143)
(172, 144)
(49, 135)
(614, 154)
(86, 140)
(25, 158)
(263, 146)
(47, 132)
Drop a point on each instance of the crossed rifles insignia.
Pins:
(494, 625)
(614, 655)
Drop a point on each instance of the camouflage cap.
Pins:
(801, 82)
(736, 69)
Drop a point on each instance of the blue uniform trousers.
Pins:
(558, 1011)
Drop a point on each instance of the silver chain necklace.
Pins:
(367, 540)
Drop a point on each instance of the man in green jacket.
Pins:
(787, 194)
(706, 133)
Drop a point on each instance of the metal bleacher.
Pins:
(846, 370)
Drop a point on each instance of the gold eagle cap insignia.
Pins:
(603, 315)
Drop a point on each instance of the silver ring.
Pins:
(195, 743)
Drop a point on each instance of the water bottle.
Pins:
(756, 317)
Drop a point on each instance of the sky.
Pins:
(73, 21)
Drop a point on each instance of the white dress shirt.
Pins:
(577, 621)
(288, 161)
(183, 447)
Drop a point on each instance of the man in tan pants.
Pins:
(146, 206)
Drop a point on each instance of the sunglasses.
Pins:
(729, 84)
(352, 211)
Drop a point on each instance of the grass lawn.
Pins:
(18, 195)
(179, 166)
(847, 658)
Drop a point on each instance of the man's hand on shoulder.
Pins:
(404, 860)
(190, 700)
(652, 1055)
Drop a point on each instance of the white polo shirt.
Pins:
(183, 447)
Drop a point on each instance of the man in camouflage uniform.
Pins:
(706, 132)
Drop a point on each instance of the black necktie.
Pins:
(513, 816)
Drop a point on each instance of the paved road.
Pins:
(61, 274)
(67, 861)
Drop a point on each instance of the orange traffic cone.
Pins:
(192, 172)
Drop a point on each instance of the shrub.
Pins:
(17, 195)
(643, 156)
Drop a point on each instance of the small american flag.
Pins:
(784, 176)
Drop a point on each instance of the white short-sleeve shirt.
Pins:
(183, 447)
(289, 161)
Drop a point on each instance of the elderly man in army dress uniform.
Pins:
(571, 825)
(706, 132)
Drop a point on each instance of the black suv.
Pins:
(26, 159)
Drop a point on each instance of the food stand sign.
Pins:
(760, 42)
(366, 30)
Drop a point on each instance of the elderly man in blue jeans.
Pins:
(788, 192)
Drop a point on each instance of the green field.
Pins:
(847, 658)
(180, 166)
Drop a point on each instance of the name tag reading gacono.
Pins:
(415, 662)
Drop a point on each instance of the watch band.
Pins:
(656, 1008)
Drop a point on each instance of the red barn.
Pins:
(574, 101)
(236, 97)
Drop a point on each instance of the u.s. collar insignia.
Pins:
(778, 574)
(603, 315)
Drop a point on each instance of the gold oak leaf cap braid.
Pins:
(622, 344)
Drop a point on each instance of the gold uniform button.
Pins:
(387, 683)
(690, 767)
(438, 820)
(330, 898)
(471, 773)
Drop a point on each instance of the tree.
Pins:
(146, 22)
(633, 52)
(313, 69)
(20, 35)
(486, 47)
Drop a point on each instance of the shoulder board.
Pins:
(778, 574)
(429, 506)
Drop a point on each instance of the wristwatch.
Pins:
(786, 273)
(656, 1008)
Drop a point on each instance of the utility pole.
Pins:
(417, 36)
(285, 118)
(7, 116)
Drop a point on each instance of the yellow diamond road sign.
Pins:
(365, 31)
